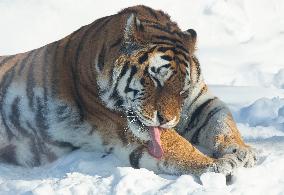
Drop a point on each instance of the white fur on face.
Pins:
(140, 132)
(157, 71)
(171, 123)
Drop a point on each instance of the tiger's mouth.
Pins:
(154, 145)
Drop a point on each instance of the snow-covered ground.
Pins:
(241, 46)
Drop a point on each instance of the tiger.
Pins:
(127, 84)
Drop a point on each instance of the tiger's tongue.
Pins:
(154, 146)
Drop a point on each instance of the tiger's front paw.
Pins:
(242, 156)
(225, 166)
(246, 155)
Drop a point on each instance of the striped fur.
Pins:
(101, 87)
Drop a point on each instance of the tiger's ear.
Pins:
(132, 28)
(192, 39)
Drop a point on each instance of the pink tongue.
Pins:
(154, 146)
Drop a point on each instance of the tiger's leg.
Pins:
(212, 126)
(180, 157)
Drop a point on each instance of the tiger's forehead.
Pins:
(156, 60)
(159, 68)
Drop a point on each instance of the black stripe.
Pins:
(119, 102)
(135, 157)
(176, 46)
(24, 61)
(37, 145)
(195, 136)
(31, 82)
(4, 85)
(62, 112)
(114, 94)
(116, 43)
(200, 108)
(48, 66)
(148, 22)
(15, 117)
(198, 95)
(116, 97)
(167, 57)
(124, 70)
(101, 58)
(45, 71)
(143, 58)
(183, 62)
(159, 85)
(61, 109)
(8, 154)
(172, 75)
(164, 49)
(164, 29)
(36, 148)
(197, 65)
(165, 38)
(6, 59)
(151, 11)
(146, 71)
(121, 74)
(175, 50)
(182, 48)
(197, 113)
(161, 28)
(127, 88)
(153, 69)
(41, 115)
(54, 70)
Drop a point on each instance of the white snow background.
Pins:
(241, 50)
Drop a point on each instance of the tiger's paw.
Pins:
(246, 156)
(225, 165)
(240, 156)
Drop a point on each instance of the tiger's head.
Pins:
(151, 78)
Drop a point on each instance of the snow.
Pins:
(240, 47)
(263, 112)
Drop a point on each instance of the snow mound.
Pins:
(263, 112)
(278, 79)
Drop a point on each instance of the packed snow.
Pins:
(240, 46)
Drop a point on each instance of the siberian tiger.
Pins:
(127, 84)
